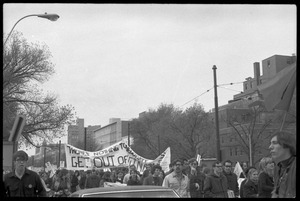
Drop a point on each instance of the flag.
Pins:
(238, 169)
(277, 93)
(198, 159)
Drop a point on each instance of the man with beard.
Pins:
(22, 182)
(283, 153)
(177, 180)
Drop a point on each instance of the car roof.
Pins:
(121, 188)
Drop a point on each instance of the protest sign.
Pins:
(116, 155)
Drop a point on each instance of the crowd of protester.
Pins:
(185, 176)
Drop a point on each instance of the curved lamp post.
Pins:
(52, 17)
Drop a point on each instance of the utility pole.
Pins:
(158, 144)
(128, 133)
(59, 154)
(44, 159)
(217, 115)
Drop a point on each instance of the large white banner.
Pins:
(117, 155)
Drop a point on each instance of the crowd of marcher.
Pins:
(275, 176)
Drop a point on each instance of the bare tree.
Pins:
(25, 67)
(182, 131)
(249, 129)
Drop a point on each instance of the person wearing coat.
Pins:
(154, 178)
(265, 177)
(196, 179)
(74, 181)
(215, 184)
(251, 185)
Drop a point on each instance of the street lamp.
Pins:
(52, 17)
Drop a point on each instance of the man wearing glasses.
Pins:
(22, 182)
(177, 180)
(231, 178)
(215, 184)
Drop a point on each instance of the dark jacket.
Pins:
(74, 183)
(132, 182)
(232, 183)
(82, 182)
(285, 184)
(150, 180)
(215, 187)
(199, 179)
(30, 185)
(93, 181)
(250, 189)
(265, 185)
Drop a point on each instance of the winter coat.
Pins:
(250, 189)
(199, 179)
(150, 180)
(265, 185)
(93, 181)
(215, 186)
(74, 183)
(232, 183)
(285, 183)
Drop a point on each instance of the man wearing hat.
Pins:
(22, 182)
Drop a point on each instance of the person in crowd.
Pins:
(177, 180)
(186, 166)
(47, 179)
(196, 179)
(22, 182)
(74, 181)
(64, 186)
(231, 178)
(162, 174)
(265, 177)
(251, 185)
(215, 184)
(283, 153)
(133, 178)
(148, 167)
(206, 171)
(113, 175)
(244, 181)
(105, 178)
(120, 177)
(126, 177)
(82, 179)
(146, 173)
(93, 180)
(154, 178)
(244, 166)
(55, 181)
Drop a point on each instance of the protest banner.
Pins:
(116, 155)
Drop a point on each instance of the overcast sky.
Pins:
(116, 61)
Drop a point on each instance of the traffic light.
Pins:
(17, 128)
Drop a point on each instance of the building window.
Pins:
(236, 151)
(242, 152)
(230, 151)
(269, 63)
(245, 86)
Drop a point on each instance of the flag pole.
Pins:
(284, 118)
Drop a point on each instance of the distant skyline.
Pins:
(118, 60)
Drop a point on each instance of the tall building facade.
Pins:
(236, 118)
(115, 131)
(80, 136)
